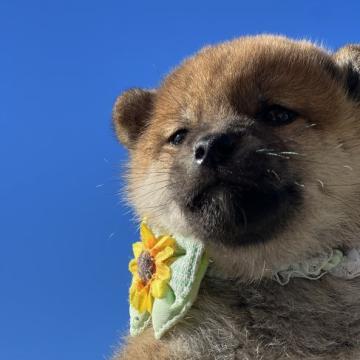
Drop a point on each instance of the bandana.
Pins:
(335, 262)
(167, 272)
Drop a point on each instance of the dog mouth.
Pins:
(240, 213)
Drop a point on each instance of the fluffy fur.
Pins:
(240, 313)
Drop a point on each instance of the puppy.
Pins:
(252, 148)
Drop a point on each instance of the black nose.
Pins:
(213, 149)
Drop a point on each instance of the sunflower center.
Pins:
(145, 266)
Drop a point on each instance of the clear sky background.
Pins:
(64, 233)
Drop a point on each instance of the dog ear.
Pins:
(131, 112)
(348, 58)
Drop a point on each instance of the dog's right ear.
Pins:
(131, 112)
(348, 58)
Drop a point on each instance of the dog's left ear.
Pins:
(348, 58)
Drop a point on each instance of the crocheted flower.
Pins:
(150, 268)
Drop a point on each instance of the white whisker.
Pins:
(298, 184)
(278, 155)
(290, 153)
(264, 150)
(275, 174)
(321, 183)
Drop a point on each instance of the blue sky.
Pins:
(65, 235)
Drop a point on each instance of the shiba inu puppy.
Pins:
(252, 147)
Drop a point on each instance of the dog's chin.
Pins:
(229, 214)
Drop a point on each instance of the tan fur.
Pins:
(147, 348)
(240, 314)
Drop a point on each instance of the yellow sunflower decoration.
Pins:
(150, 268)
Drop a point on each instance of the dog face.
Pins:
(252, 147)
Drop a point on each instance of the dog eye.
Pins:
(277, 115)
(178, 137)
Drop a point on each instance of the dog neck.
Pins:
(312, 318)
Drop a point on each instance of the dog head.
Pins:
(252, 147)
